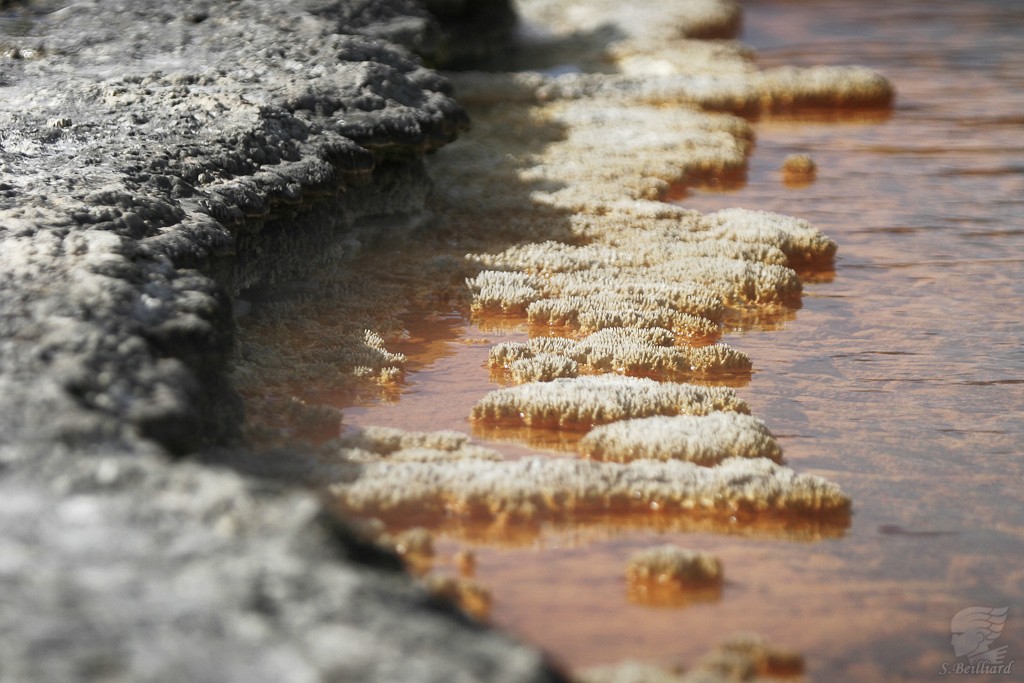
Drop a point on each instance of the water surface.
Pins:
(901, 378)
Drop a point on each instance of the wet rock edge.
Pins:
(135, 202)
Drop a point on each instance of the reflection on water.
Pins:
(901, 378)
(581, 527)
(669, 596)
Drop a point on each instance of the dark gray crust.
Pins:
(156, 159)
(145, 147)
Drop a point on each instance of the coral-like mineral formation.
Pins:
(669, 565)
(704, 440)
(544, 488)
(580, 402)
(642, 351)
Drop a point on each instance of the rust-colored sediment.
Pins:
(872, 383)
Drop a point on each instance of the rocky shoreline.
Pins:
(156, 163)
(156, 160)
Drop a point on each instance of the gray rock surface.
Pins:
(156, 159)
(141, 142)
(124, 569)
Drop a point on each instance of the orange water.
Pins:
(901, 378)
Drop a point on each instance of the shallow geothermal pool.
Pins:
(901, 378)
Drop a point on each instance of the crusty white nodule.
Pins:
(670, 565)
(704, 440)
(644, 351)
(583, 401)
(538, 488)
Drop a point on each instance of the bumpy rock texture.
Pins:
(155, 159)
(581, 402)
(537, 488)
(119, 569)
(143, 146)
(647, 351)
(668, 563)
(704, 440)
(671, 576)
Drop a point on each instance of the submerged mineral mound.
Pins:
(583, 401)
(535, 489)
(669, 564)
(673, 577)
(643, 351)
(704, 440)
(563, 180)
